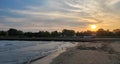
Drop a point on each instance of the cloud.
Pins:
(60, 14)
(112, 2)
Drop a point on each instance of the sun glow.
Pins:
(93, 27)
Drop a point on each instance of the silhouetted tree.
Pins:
(14, 32)
(100, 32)
(116, 32)
(104, 33)
(3, 33)
(43, 34)
(55, 34)
(28, 34)
(109, 33)
(79, 34)
(46, 34)
(68, 33)
(87, 33)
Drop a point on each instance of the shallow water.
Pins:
(17, 52)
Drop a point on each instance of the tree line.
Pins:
(64, 33)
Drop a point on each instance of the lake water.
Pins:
(17, 52)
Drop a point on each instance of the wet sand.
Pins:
(48, 59)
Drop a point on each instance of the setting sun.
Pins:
(93, 27)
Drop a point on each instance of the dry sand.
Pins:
(83, 57)
(98, 56)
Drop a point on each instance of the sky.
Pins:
(50, 15)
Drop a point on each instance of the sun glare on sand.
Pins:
(93, 27)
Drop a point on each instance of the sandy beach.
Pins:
(49, 58)
(85, 53)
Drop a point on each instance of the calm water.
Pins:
(17, 52)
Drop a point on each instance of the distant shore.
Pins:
(63, 39)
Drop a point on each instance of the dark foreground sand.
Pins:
(87, 54)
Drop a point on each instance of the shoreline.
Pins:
(33, 60)
(62, 39)
(48, 58)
